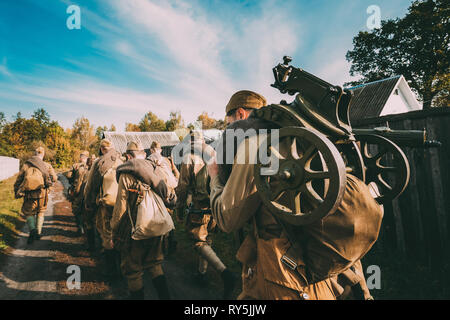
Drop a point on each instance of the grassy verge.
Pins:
(10, 222)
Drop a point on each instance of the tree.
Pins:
(61, 147)
(20, 138)
(18, 116)
(131, 127)
(20, 134)
(150, 122)
(175, 121)
(112, 128)
(99, 132)
(416, 46)
(210, 123)
(83, 133)
(3, 121)
(42, 117)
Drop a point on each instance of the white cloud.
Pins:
(195, 46)
(4, 68)
(336, 72)
(182, 48)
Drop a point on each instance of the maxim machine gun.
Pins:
(324, 148)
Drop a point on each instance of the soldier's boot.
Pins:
(200, 277)
(31, 222)
(108, 264)
(116, 258)
(172, 243)
(161, 287)
(229, 283)
(137, 295)
(32, 236)
(90, 234)
(229, 279)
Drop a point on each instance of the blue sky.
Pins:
(134, 56)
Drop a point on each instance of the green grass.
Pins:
(10, 221)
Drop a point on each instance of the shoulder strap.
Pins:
(292, 254)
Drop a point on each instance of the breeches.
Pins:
(199, 227)
(142, 255)
(103, 224)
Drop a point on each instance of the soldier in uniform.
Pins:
(155, 150)
(171, 181)
(88, 216)
(235, 202)
(95, 198)
(199, 223)
(35, 201)
(77, 178)
(139, 255)
(242, 103)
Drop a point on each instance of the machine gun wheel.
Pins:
(353, 159)
(386, 166)
(310, 193)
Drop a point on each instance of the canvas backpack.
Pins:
(333, 244)
(150, 217)
(79, 178)
(32, 180)
(163, 168)
(109, 186)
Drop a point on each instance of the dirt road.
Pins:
(40, 270)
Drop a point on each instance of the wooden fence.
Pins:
(417, 223)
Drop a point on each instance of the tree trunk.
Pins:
(427, 98)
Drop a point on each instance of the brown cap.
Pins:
(134, 146)
(105, 143)
(155, 145)
(40, 150)
(246, 99)
(84, 153)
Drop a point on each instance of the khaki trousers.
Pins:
(140, 256)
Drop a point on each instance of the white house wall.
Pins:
(395, 104)
(8, 167)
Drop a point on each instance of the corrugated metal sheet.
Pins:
(369, 99)
(121, 139)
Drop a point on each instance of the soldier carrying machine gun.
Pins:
(320, 211)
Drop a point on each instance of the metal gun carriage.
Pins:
(324, 148)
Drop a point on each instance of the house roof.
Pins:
(121, 139)
(369, 99)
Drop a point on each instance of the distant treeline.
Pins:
(20, 137)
